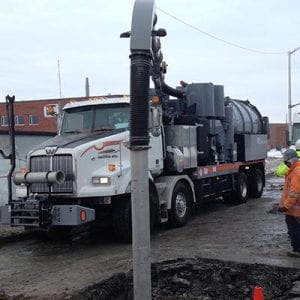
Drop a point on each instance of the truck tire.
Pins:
(181, 206)
(256, 183)
(122, 220)
(240, 194)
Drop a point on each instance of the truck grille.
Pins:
(53, 163)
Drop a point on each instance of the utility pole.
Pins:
(59, 108)
(290, 106)
(140, 47)
(59, 79)
(87, 87)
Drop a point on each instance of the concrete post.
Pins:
(140, 47)
(140, 224)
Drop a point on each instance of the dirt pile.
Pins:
(202, 279)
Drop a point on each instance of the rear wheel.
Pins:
(256, 183)
(240, 194)
(181, 206)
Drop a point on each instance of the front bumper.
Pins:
(38, 214)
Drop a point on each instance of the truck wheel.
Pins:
(122, 219)
(256, 183)
(181, 206)
(240, 195)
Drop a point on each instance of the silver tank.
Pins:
(246, 117)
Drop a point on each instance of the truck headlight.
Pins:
(101, 180)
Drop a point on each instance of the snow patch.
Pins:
(274, 153)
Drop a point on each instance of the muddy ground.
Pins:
(222, 253)
(200, 278)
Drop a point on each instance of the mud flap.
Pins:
(5, 215)
(71, 215)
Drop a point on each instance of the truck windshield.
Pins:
(95, 118)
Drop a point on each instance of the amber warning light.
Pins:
(82, 215)
(155, 100)
(111, 167)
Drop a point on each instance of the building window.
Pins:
(4, 121)
(20, 120)
(33, 120)
(51, 110)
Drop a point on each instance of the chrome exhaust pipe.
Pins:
(50, 177)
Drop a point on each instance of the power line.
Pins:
(217, 38)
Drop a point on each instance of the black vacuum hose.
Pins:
(171, 91)
(139, 89)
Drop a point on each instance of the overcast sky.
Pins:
(84, 36)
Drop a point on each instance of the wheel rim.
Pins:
(181, 206)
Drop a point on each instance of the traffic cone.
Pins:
(258, 293)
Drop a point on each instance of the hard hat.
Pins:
(297, 144)
(289, 154)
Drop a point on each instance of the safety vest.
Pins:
(290, 197)
(282, 168)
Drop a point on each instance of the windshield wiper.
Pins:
(73, 131)
(105, 128)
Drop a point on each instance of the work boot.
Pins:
(293, 254)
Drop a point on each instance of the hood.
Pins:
(72, 140)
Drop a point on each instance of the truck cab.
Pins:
(91, 151)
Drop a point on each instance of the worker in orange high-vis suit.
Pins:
(290, 200)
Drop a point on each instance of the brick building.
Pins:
(278, 135)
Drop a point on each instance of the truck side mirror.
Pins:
(156, 120)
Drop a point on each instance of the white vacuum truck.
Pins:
(202, 145)
(83, 174)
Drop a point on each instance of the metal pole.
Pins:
(290, 92)
(87, 87)
(11, 120)
(58, 116)
(289, 97)
(59, 79)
